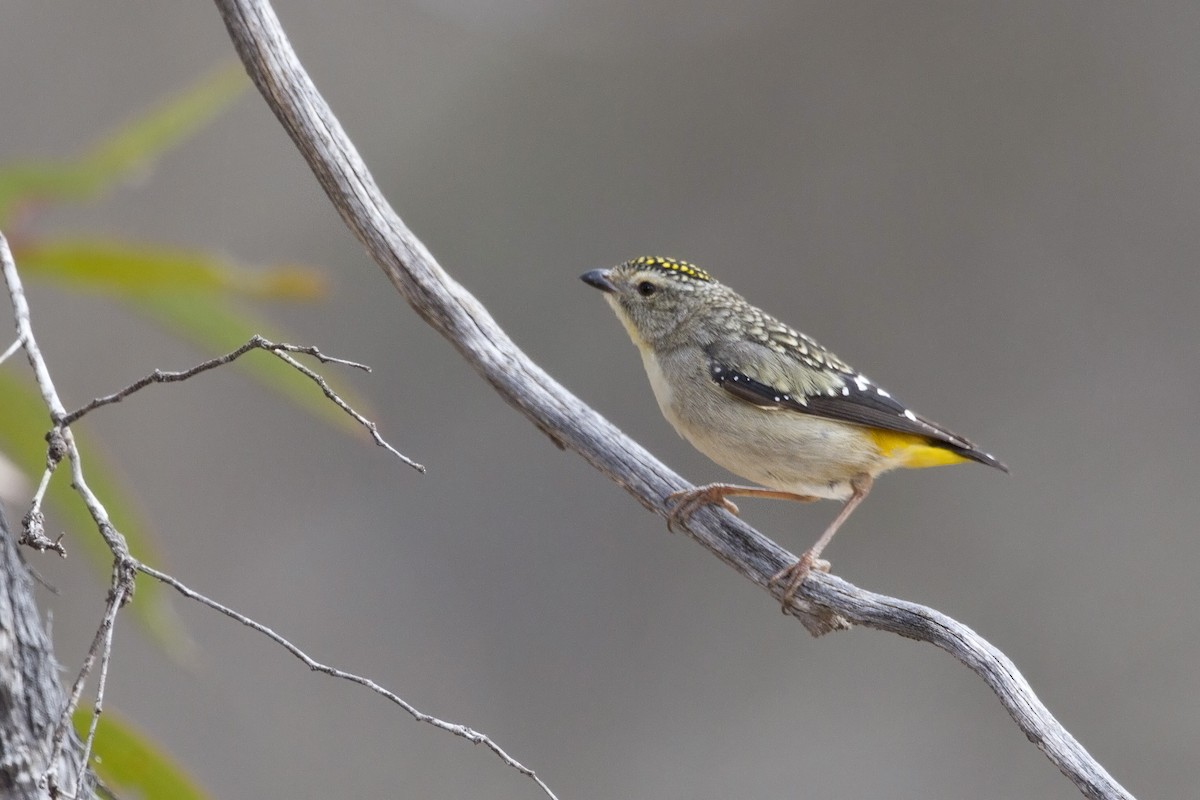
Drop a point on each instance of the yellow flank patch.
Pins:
(911, 450)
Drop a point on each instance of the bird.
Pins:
(765, 401)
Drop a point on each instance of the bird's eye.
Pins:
(646, 288)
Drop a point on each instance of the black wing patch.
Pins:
(858, 402)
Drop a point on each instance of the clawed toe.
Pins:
(687, 502)
(795, 575)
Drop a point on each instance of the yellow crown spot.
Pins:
(912, 451)
(673, 266)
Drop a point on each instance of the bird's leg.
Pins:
(685, 503)
(860, 486)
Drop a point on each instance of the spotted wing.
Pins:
(774, 380)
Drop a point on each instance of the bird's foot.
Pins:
(684, 504)
(795, 575)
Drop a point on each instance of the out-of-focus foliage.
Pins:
(130, 763)
(193, 294)
(137, 270)
(129, 151)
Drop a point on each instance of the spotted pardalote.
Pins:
(765, 401)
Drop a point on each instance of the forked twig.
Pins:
(256, 342)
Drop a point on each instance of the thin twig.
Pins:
(122, 583)
(56, 451)
(256, 342)
(472, 736)
(339, 402)
(60, 444)
(20, 306)
(164, 376)
(60, 440)
(119, 594)
(12, 348)
(824, 603)
(101, 647)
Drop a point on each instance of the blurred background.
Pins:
(988, 208)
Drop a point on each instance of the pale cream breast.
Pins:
(775, 447)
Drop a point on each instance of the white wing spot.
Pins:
(908, 413)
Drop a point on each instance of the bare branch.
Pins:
(472, 736)
(12, 348)
(61, 443)
(335, 399)
(825, 602)
(101, 647)
(20, 306)
(280, 350)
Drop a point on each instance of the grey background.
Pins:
(989, 208)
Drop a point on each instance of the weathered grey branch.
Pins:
(31, 697)
(825, 603)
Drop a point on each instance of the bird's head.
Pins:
(656, 297)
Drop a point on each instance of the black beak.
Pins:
(599, 279)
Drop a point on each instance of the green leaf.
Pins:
(219, 325)
(134, 269)
(130, 763)
(128, 151)
(23, 426)
(181, 290)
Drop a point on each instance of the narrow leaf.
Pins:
(126, 152)
(134, 269)
(130, 763)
